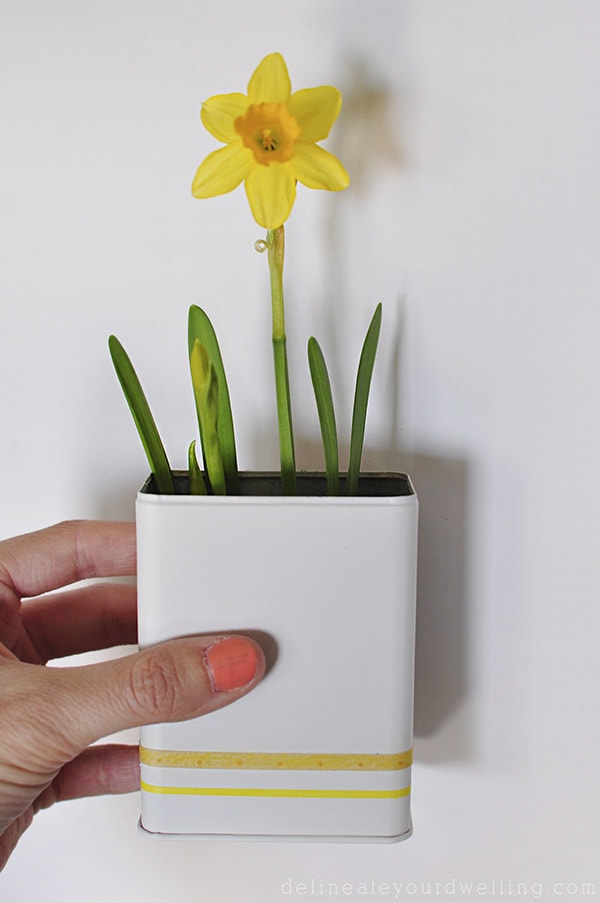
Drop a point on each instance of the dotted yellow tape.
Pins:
(163, 758)
(277, 792)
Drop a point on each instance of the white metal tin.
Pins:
(322, 748)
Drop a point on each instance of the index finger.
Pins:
(36, 563)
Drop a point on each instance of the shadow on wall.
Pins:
(370, 114)
(443, 727)
(366, 139)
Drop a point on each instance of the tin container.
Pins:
(322, 748)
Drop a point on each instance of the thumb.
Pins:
(172, 681)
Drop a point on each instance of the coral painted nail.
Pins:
(231, 663)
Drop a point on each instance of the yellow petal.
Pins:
(270, 82)
(315, 110)
(317, 168)
(271, 192)
(222, 171)
(220, 112)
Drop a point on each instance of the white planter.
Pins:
(322, 748)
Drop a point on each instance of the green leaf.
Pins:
(325, 409)
(200, 328)
(361, 400)
(206, 393)
(197, 484)
(142, 416)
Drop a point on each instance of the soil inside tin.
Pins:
(371, 485)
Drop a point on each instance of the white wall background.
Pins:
(471, 130)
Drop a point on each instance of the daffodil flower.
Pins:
(270, 138)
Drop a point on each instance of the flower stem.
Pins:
(275, 248)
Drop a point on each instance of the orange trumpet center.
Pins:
(270, 131)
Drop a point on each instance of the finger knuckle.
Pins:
(155, 685)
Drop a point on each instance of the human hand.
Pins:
(50, 716)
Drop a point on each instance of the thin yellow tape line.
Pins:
(164, 758)
(275, 792)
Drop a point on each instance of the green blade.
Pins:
(200, 328)
(142, 416)
(206, 393)
(361, 400)
(325, 409)
(197, 484)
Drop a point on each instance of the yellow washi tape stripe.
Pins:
(165, 758)
(275, 792)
